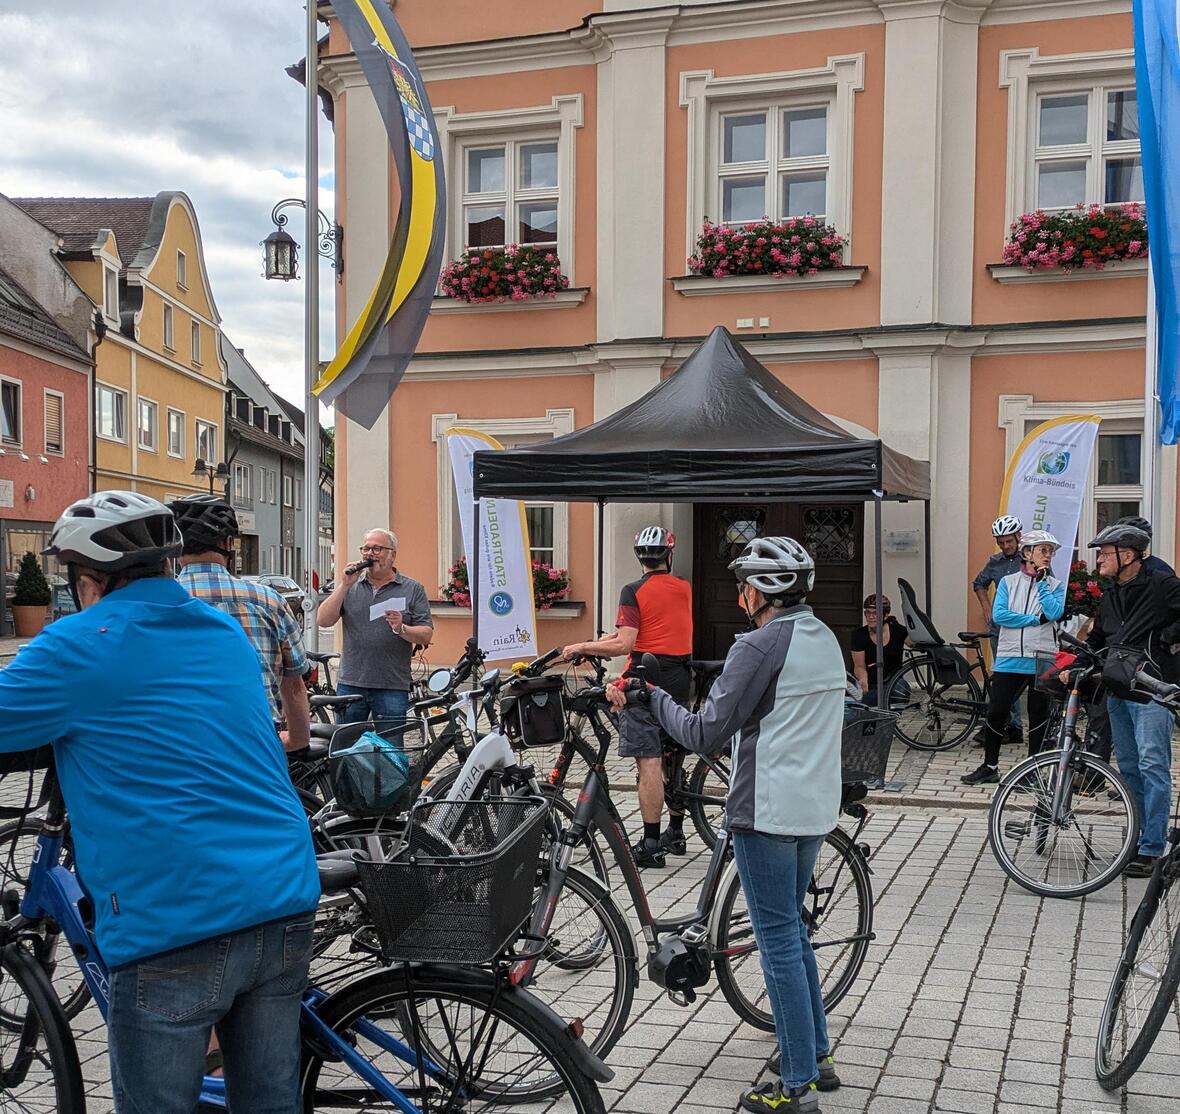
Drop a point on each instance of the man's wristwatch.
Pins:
(398, 630)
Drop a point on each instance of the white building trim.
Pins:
(563, 299)
(704, 95)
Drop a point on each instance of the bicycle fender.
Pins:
(442, 974)
(715, 912)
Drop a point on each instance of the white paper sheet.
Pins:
(395, 603)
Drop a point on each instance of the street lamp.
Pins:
(220, 474)
(280, 252)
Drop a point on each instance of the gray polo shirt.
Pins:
(373, 656)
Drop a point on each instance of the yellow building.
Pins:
(159, 399)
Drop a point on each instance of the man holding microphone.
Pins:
(385, 616)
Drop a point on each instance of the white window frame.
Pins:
(181, 270)
(1018, 412)
(195, 334)
(152, 444)
(243, 485)
(707, 98)
(169, 331)
(19, 441)
(110, 276)
(199, 425)
(117, 393)
(48, 393)
(288, 491)
(558, 121)
(556, 423)
(1027, 77)
(512, 196)
(173, 413)
(297, 490)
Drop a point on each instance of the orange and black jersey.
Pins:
(659, 607)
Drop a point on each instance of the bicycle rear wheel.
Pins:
(933, 715)
(708, 785)
(1143, 988)
(482, 1046)
(839, 912)
(1085, 848)
(39, 1069)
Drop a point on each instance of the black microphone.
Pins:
(357, 566)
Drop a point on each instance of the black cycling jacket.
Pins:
(1144, 614)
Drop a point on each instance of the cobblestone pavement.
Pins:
(977, 998)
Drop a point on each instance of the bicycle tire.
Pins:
(1008, 828)
(706, 818)
(393, 995)
(732, 931)
(44, 1041)
(1162, 893)
(921, 713)
(69, 986)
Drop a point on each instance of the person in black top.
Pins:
(1151, 562)
(1139, 612)
(863, 646)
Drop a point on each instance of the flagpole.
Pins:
(311, 348)
(1151, 407)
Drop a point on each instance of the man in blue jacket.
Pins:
(188, 836)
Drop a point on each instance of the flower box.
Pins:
(796, 247)
(1081, 239)
(550, 586)
(516, 273)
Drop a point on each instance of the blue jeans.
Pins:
(1142, 737)
(377, 704)
(775, 871)
(248, 985)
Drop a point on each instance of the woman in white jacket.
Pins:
(1027, 606)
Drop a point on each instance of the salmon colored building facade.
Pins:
(920, 129)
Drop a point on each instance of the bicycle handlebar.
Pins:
(1163, 691)
(1075, 643)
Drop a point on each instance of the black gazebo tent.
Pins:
(721, 427)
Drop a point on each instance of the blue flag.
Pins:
(1157, 81)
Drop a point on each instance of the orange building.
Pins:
(612, 130)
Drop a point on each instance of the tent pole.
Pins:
(473, 563)
(879, 589)
(601, 572)
(926, 546)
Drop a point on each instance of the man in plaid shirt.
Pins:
(208, 524)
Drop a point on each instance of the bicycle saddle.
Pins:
(333, 701)
(972, 635)
(337, 871)
(321, 658)
(316, 749)
(323, 731)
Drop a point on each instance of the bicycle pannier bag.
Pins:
(1118, 672)
(533, 711)
(371, 776)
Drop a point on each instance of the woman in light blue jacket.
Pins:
(1027, 606)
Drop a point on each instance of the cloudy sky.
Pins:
(130, 97)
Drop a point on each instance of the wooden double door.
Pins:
(833, 533)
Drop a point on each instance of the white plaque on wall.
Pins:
(5, 493)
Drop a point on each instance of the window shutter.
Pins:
(54, 436)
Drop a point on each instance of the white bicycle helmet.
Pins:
(1038, 537)
(1006, 524)
(654, 542)
(775, 566)
(115, 530)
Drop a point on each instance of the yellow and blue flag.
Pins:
(370, 362)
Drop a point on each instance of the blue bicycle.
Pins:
(417, 1038)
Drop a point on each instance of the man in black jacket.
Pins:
(1140, 611)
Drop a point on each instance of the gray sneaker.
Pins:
(828, 1079)
(771, 1097)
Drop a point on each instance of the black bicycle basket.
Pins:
(532, 710)
(865, 743)
(462, 884)
(376, 766)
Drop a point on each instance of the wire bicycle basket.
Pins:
(865, 743)
(461, 885)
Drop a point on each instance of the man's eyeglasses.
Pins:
(376, 549)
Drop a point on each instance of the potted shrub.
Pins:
(31, 598)
(516, 273)
(793, 247)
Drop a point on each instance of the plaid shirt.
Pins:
(264, 616)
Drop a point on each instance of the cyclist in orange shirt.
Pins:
(654, 617)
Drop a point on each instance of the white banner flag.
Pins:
(507, 616)
(1046, 481)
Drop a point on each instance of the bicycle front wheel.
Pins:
(1067, 843)
(448, 1039)
(839, 916)
(39, 1069)
(933, 715)
(1143, 988)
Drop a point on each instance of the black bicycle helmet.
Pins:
(115, 531)
(1122, 536)
(1138, 522)
(205, 522)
